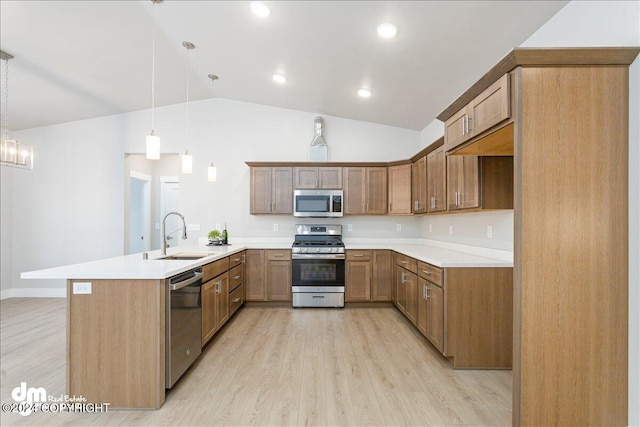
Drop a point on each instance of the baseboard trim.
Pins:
(33, 293)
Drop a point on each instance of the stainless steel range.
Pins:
(318, 261)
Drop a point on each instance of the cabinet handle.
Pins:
(426, 272)
(236, 300)
(433, 202)
(367, 206)
(218, 286)
(469, 127)
(427, 288)
(404, 262)
(278, 255)
(402, 277)
(243, 259)
(235, 277)
(236, 260)
(357, 255)
(424, 291)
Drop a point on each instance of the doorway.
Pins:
(139, 212)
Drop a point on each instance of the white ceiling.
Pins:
(81, 59)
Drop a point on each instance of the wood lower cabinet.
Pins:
(271, 190)
(365, 190)
(434, 297)
(400, 284)
(215, 305)
(382, 277)
(400, 190)
(357, 276)
(268, 275)
(436, 181)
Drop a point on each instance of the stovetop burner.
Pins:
(318, 239)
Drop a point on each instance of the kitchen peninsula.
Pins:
(116, 317)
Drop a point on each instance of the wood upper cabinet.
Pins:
(365, 190)
(463, 182)
(271, 190)
(485, 111)
(436, 182)
(358, 276)
(382, 277)
(419, 184)
(400, 190)
(278, 275)
(475, 182)
(317, 177)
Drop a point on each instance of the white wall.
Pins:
(5, 232)
(611, 23)
(70, 208)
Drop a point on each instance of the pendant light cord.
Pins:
(187, 127)
(153, 65)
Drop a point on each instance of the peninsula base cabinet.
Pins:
(368, 276)
(268, 275)
(466, 313)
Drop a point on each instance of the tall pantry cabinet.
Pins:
(568, 134)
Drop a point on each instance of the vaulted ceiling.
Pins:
(75, 60)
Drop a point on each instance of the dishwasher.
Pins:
(183, 335)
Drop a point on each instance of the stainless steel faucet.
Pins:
(164, 230)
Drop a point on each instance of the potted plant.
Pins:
(214, 237)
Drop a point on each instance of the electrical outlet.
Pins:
(489, 231)
(349, 227)
(82, 287)
(398, 227)
(451, 230)
(430, 228)
(276, 227)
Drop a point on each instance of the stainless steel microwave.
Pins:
(317, 203)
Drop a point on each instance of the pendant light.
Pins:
(12, 152)
(153, 140)
(211, 170)
(187, 159)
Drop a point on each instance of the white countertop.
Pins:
(135, 267)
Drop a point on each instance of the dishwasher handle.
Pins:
(175, 286)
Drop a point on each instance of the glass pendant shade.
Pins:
(187, 162)
(212, 173)
(153, 146)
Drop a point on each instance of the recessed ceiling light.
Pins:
(260, 8)
(364, 93)
(387, 30)
(279, 78)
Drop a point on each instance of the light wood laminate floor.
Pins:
(274, 366)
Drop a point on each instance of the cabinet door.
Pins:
(221, 284)
(435, 316)
(305, 177)
(358, 281)
(330, 178)
(355, 190)
(282, 191)
(278, 280)
(455, 130)
(419, 184)
(411, 307)
(490, 107)
(381, 281)
(437, 180)
(260, 189)
(463, 182)
(208, 311)
(376, 187)
(401, 288)
(255, 275)
(400, 190)
(421, 322)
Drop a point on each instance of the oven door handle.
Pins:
(175, 286)
(317, 256)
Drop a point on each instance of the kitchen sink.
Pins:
(182, 257)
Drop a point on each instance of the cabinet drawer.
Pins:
(278, 255)
(407, 263)
(430, 272)
(213, 269)
(236, 277)
(235, 299)
(358, 255)
(235, 259)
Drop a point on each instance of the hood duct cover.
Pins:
(319, 144)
